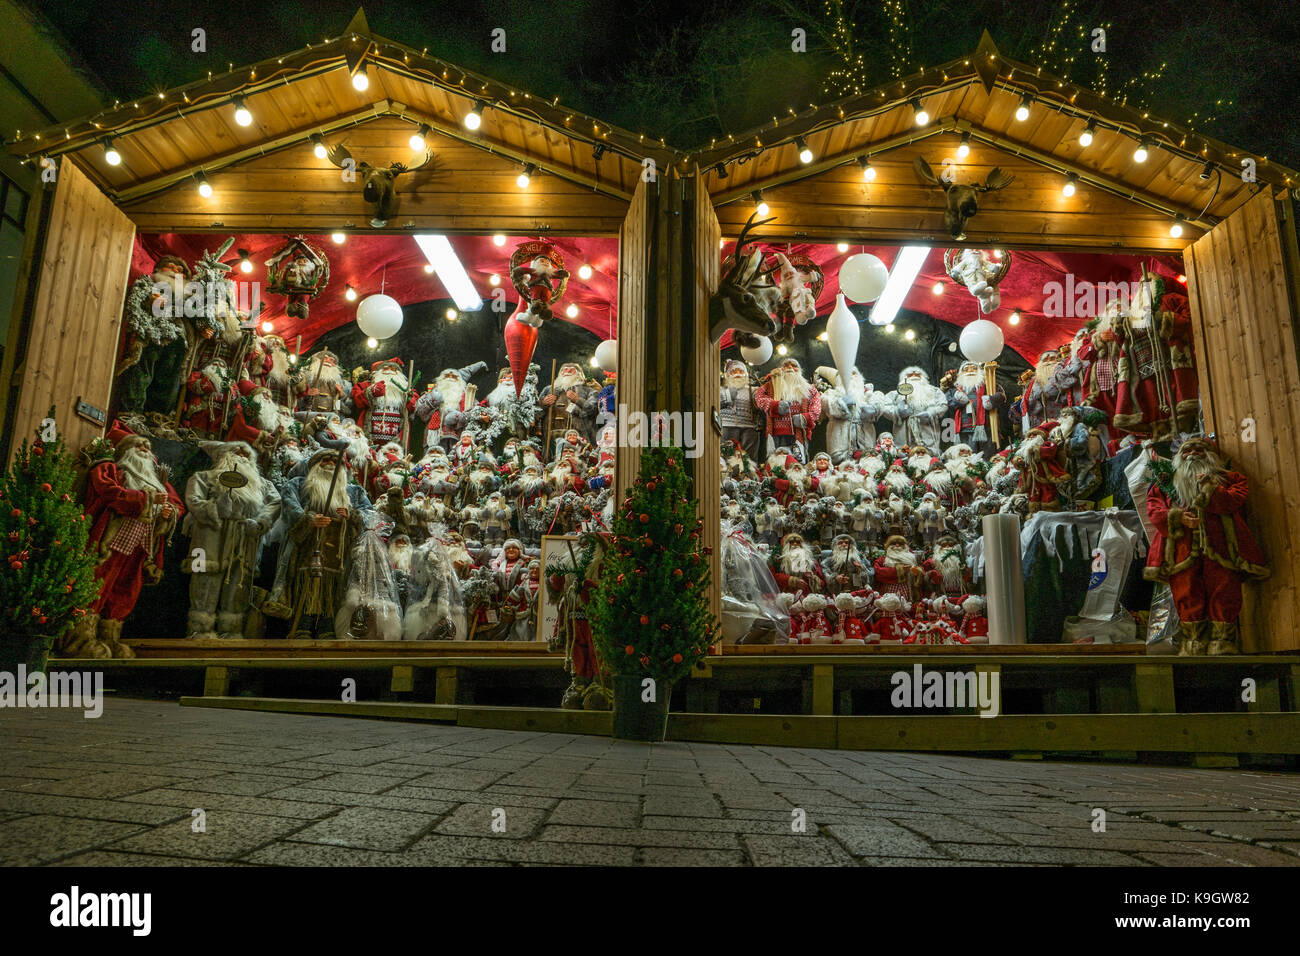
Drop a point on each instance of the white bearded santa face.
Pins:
(214, 373)
(316, 487)
(1193, 463)
(923, 394)
(796, 556)
(394, 380)
(505, 390)
(399, 553)
(844, 553)
(969, 377)
(897, 479)
(939, 481)
(170, 275)
(788, 384)
(797, 475)
(857, 389)
(898, 554)
(919, 462)
(450, 388)
(323, 371)
(358, 444)
(239, 458)
(737, 375)
(569, 377)
(1046, 368)
(268, 417)
(137, 468)
(947, 558)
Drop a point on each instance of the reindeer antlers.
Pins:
(996, 180)
(339, 155)
(736, 257)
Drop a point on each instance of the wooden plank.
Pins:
(75, 318)
(1244, 317)
(633, 274)
(706, 357)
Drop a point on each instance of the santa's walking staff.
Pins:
(315, 568)
(546, 439)
(990, 390)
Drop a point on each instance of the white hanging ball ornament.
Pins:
(842, 334)
(379, 316)
(757, 356)
(981, 341)
(607, 355)
(863, 277)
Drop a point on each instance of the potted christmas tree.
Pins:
(650, 615)
(50, 579)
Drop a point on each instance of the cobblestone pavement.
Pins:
(313, 791)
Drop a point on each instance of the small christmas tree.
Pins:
(650, 613)
(50, 578)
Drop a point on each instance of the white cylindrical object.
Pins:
(843, 336)
(1003, 579)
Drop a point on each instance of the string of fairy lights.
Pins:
(398, 58)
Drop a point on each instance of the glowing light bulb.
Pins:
(111, 155)
(1015, 317)
(1085, 138)
(267, 328)
(584, 272)
(361, 79)
(205, 187)
(350, 294)
(909, 335)
(372, 343)
(339, 238)
(764, 209)
(842, 247)
(889, 327)
(428, 268)
(782, 350)
(522, 180)
(293, 360)
(416, 141)
(1176, 229)
(494, 279)
(242, 116)
(451, 315)
(245, 265)
(1068, 188)
(1140, 154)
(592, 362)
(937, 288)
(571, 311)
(498, 240)
(474, 118)
(963, 149)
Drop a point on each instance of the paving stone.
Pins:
(478, 819)
(714, 825)
(638, 837)
(677, 856)
(317, 854)
(229, 835)
(108, 858)
(1183, 859)
(453, 778)
(352, 783)
(42, 838)
(498, 798)
(103, 786)
(881, 839)
(529, 851)
(804, 850)
(1245, 855)
(1037, 854)
(119, 810)
(940, 828)
(369, 828)
(597, 813)
(330, 800)
(172, 797)
(699, 805)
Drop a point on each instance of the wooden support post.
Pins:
(846, 703)
(1292, 684)
(216, 682)
(1114, 694)
(1153, 687)
(447, 686)
(823, 690)
(403, 679)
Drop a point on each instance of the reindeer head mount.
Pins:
(378, 183)
(746, 297)
(963, 200)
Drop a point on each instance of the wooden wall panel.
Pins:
(81, 285)
(1244, 316)
(633, 276)
(705, 380)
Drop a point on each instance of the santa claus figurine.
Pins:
(1046, 393)
(972, 407)
(258, 421)
(1203, 546)
(844, 570)
(445, 404)
(808, 622)
(1156, 392)
(792, 407)
(1041, 461)
(540, 282)
(321, 387)
(852, 408)
(945, 569)
(133, 511)
(974, 622)
(571, 403)
(384, 403)
(891, 625)
(917, 408)
(795, 568)
(157, 339)
(740, 418)
(230, 508)
(852, 628)
(931, 517)
(896, 480)
(208, 391)
(897, 570)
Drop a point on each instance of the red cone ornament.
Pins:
(521, 341)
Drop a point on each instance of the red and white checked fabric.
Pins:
(130, 535)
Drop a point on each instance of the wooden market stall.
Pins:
(1229, 212)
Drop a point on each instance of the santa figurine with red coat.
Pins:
(1156, 389)
(795, 568)
(1203, 546)
(792, 406)
(897, 570)
(974, 621)
(133, 511)
(1042, 469)
(207, 393)
(892, 625)
(384, 403)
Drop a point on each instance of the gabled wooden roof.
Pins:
(979, 95)
(169, 138)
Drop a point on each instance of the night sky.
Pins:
(689, 72)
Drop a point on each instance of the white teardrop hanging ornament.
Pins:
(843, 335)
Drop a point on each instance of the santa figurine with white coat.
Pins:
(445, 404)
(917, 408)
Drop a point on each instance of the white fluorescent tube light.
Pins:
(901, 278)
(437, 249)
